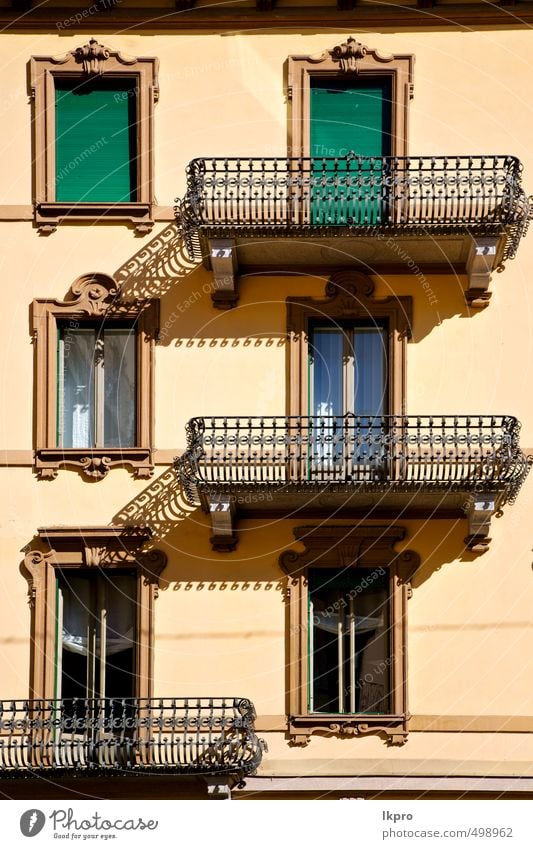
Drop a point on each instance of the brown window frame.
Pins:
(363, 548)
(86, 548)
(92, 297)
(349, 296)
(90, 60)
(349, 59)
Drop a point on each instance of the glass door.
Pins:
(348, 401)
(95, 656)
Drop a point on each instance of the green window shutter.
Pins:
(349, 117)
(96, 141)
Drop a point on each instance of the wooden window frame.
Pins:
(363, 548)
(91, 60)
(349, 296)
(98, 548)
(355, 60)
(92, 297)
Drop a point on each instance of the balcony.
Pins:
(187, 736)
(353, 465)
(442, 214)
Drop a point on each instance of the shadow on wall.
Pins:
(184, 531)
(156, 268)
(162, 269)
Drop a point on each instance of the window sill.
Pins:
(94, 463)
(393, 726)
(49, 215)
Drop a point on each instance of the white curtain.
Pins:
(77, 396)
(78, 598)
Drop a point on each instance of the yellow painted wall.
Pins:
(220, 619)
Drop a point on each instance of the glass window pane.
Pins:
(120, 392)
(372, 659)
(76, 389)
(350, 663)
(121, 614)
(85, 600)
(74, 637)
(327, 360)
(370, 377)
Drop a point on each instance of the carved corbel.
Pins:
(34, 569)
(92, 56)
(347, 55)
(479, 266)
(223, 254)
(152, 562)
(217, 787)
(479, 512)
(222, 512)
(94, 555)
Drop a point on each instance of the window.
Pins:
(349, 652)
(94, 380)
(96, 143)
(348, 118)
(96, 387)
(349, 99)
(92, 595)
(348, 395)
(96, 617)
(348, 594)
(347, 352)
(93, 135)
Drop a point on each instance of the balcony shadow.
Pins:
(159, 266)
(155, 269)
(183, 531)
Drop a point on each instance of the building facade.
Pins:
(267, 401)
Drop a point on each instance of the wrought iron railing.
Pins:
(372, 452)
(422, 193)
(180, 735)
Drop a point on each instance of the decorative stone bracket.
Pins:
(479, 512)
(479, 267)
(223, 255)
(395, 731)
(222, 512)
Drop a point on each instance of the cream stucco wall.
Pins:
(220, 619)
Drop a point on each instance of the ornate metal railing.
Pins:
(422, 193)
(180, 735)
(372, 452)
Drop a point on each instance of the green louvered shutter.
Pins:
(96, 141)
(349, 116)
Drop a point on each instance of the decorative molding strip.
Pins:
(377, 18)
(472, 724)
(387, 784)
(11, 457)
(428, 723)
(24, 212)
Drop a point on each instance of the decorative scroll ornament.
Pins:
(95, 293)
(95, 467)
(92, 56)
(347, 54)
